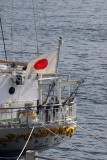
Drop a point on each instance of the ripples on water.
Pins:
(83, 25)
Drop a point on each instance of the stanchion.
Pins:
(30, 155)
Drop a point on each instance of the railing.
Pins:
(12, 117)
(33, 155)
(57, 114)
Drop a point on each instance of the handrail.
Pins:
(26, 116)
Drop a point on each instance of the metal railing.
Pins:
(23, 117)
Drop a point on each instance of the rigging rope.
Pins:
(51, 87)
(45, 24)
(90, 133)
(73, 94)
(77, 148)
(35, 25)
(26, 143)
(39, 20)
(12, 31)
(3, 38)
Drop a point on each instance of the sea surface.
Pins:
(36, 26)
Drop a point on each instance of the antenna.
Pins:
(3, 39)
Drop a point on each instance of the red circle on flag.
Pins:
(41, 64)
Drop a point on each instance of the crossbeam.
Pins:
(13, 62)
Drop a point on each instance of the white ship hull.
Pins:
(13, 140)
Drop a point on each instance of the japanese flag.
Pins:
(43, 64)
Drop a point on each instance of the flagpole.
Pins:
(59, 45)
(40, 90)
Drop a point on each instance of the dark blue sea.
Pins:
(83, 26)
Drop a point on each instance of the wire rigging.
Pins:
(90, 133)
(45, 24)
(3, 38)
(12, 31)
(35, 26)
(73, 94)
(51, 87)
(77, 148)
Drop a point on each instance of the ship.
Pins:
(37, 104)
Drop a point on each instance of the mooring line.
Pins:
(71, 144)
(90, 133)
(26, 143)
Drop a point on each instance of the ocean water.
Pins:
(83, 26)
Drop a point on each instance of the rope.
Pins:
(21, 39)
(84, 152)
(3, 38)
(4, 82)
(45, 24)
(90, 133)
(26, 143)
(51, 87)
(35, 25)
(18, 96)
(73, 94)
(11, 56)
